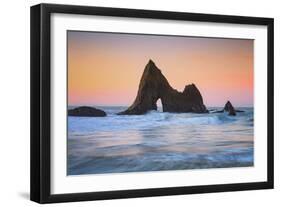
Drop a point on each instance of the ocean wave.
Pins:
(149, 120)
(159, 161)
(154, 119)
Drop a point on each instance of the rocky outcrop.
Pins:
(229, 108)
(153, 86)
(86, 111)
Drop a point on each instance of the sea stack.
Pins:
(153, 86)
(86, 111)
(229, 108)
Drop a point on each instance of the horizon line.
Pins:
(106, 105)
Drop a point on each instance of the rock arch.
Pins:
(153, 86)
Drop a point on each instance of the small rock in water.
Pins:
(86, 111)
(230, 109)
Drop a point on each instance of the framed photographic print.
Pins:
(133, 103)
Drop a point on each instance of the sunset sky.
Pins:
(105, 68)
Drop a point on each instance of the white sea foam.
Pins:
(113, 122)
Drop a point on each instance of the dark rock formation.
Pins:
(229, 108)
(153, 86)
(86, 111)
(236, 110)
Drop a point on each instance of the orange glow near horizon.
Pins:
(105, 68)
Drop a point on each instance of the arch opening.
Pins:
(159, 105)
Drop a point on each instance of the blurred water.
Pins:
(158, 141)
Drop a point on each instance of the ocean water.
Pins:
(158, 141)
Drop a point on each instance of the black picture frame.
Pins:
(41, 98)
